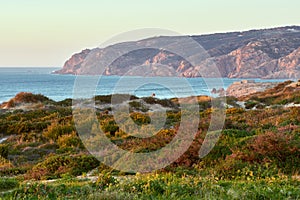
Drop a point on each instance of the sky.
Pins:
(40, 33)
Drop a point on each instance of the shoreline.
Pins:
(59, 87)
(244, 86)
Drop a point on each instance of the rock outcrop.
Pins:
(268, 53)
(245, 88)
(285, 93)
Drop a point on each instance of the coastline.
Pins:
(60, 87)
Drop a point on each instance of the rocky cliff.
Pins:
(267, 53)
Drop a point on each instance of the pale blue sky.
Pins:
(46, 33)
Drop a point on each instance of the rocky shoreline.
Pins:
(240, 91)
(247, 87)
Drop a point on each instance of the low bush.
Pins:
(105, 180)
(237, 133)
(55, 166)
(55, 130)
(232, 111)
(4, 164)
(3, 150)
(140, 118)
(274, 145)
(279, 148)
(109, 126)
(8, 183)
(235, 168)
(13, 171)
(70, 140)
(250, 104)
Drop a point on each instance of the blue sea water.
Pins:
(59, 87)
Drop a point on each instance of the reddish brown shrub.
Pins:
(277, 145)
(27, 97)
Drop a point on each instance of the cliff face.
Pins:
(74, 63)
(268, 53)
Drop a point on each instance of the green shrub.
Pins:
(105, 180)
(55, 130)
(234, 168)
(57, 165)
(13, 171)
(65, 103)
(8, 183)
(4, 165)
(135, 105)
(69, 140)
(4, 150)
(162, 102)
(140, 118)
(217, 153)
(250, 104)
(64, 190)
(109, 126)
(237, 133)
(120, 98)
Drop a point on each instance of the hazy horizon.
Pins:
(46, 34)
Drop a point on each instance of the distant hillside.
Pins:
(267, 53)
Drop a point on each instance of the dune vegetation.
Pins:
(256, 157)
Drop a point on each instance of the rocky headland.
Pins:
(268, 53)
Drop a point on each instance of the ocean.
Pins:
(60, 87)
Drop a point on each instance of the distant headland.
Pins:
(267, 53)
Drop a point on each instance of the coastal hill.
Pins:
(266, 53)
